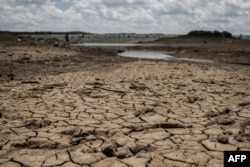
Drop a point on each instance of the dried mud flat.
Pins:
(134, 113)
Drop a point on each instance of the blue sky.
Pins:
(115, 16)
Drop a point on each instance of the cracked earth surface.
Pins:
(140, 114)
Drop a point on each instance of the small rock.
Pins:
(3, 51)
(225, 121)
(239, 139)
(11, 76)
(138, 86)
(4, 122)
(227, 132)
(226, 111)
(20, 145)
(109, 150)
(223, 139)
(211, 114)
(192, 99)
(149, 110)
(76, 141)
(137, 113)
(243, 104)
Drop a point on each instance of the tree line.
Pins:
(218, 34)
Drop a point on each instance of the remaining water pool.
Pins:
(128, 51)
(145, 55)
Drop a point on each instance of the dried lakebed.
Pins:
(174, 114)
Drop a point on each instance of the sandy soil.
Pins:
(64, 106)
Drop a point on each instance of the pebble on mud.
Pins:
(225, 121)
(226, 111)
(110, 149)
(211, 114)
(243, 104)
(223, 139)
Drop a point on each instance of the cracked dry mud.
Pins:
(140, 114)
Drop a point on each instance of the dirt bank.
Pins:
(222, 50)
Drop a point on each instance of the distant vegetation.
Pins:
(7, 37)
(14, 35)
(217, 34)
(41, 32)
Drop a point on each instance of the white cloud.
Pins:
(140, 16)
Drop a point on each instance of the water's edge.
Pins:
(128, 51)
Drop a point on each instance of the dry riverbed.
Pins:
(64, 106)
